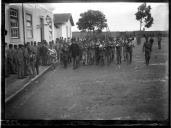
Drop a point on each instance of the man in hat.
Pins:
(74, 49)
(38, 58)
(118, 51)
(26, 59)
(15, 58)
(35, 47)
(147, 50)
(33, 62)
(11, 59)
(97, 52)
(159, 41)
(151, 41)
(129, 50)
(65, 55)
(32, 46)
(20, 60)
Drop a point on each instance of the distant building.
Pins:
(63, 24)
(38, 23)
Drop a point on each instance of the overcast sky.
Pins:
(120, 15)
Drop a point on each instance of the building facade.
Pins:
(63, 25)
(28, 22)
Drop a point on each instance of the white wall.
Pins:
(57, 32)
(61, 31)
(64, 31)
(36, 11)
(68, 23)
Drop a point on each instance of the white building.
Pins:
(62, 25)
(38, 23)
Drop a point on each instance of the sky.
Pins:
(120, 15)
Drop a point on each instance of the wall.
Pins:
(69, 29)
(58, 32)
(37, 12)
(61, 31)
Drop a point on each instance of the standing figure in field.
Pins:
(113, 50)
(129, 50)
(146, 37)
(102, 54)
(37, 63)
(159, 41)
(15, 59)
(74, 49)
(32, 57)
(20, 62)
(97, 52)
(84, 54)
(147, 50)
(26, 59)
(151, 42)
(38, 58)
(65, 55)
(118, 51)
(53, 56)
(10, 53)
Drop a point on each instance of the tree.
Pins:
(144, 16)
(92, 21)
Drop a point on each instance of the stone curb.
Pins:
(25, 85)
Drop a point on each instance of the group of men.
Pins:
(101, 52)
(95, 51)
(25, 60)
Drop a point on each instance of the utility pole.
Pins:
(23, 22)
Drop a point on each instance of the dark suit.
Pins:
(74, 49)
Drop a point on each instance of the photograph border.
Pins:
(58, 123)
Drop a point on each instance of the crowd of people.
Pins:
(25, 59)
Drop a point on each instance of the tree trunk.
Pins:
(140, 25)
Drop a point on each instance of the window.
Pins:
(29, 30)
(14, 23)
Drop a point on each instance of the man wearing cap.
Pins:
(33, 62)
(97, 52)
(65, 55)
(159, 41)
(20, 61)
(35, 47)
(151, 42)
(32, 46)
(15, 58)
(11, 59)
(129, 50)
(38, 58)
(118, 51)
(74, 49)
(147, 50)
(26, 59)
